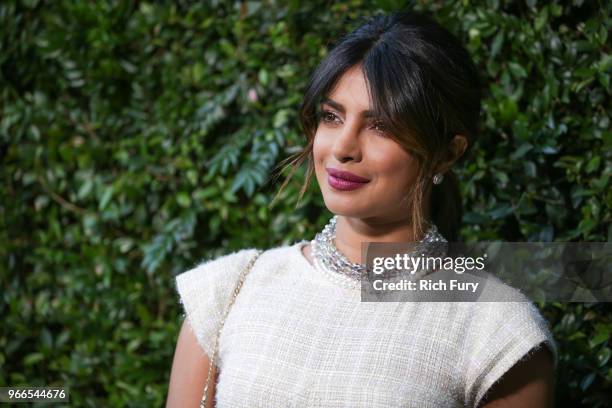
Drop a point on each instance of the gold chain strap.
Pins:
(231, 302)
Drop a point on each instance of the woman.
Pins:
(386, 114)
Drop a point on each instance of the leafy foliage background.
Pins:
(137, 139)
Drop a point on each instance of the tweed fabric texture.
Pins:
(294, 338)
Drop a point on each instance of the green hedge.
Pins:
(137, 139)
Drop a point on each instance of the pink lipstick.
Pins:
(344, 180)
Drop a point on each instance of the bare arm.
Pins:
(189, 371)
(528, 384)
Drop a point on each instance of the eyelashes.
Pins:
(327, 116)
(330, 118)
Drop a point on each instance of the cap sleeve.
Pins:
(503, 334)
(205, 291)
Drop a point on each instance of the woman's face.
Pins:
(349, 139)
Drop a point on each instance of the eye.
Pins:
(380, 127)
(328, 116)
(332, 118)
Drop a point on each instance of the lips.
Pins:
(344, 180)
(345, 175)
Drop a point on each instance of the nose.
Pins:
(347, 144)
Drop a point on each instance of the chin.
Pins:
(345, 206)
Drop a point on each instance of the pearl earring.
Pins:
(437, 179)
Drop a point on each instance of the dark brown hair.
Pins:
(425, 89)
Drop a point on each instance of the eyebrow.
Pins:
(338, 106)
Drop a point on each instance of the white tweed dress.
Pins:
(295, 338)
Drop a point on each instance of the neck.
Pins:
(351, 232)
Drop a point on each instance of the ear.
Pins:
(457, 147)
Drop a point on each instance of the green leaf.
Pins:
(107, 195)
(497, 43)
(521, 150)
(517, 70)
(593, 164)
(508, 110)
(587, 381)
(33, 358)
(183, 199)
(263, 77)
(85, 189)
(501, 211)
(603, 356)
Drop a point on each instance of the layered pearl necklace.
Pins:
(329, 260)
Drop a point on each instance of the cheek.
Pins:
(397, 168)
(320, 150)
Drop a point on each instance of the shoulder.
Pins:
(501, 308)
(222, 266)
(230, 265)
(501, 335)
(214, 280)
(205, 289)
